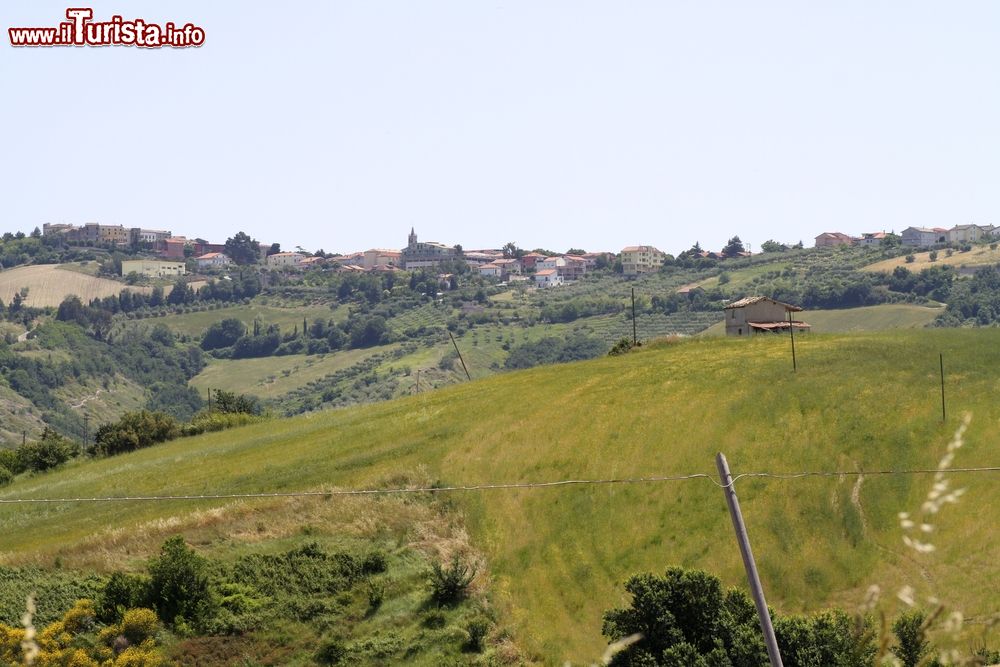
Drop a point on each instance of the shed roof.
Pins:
(775, 326)
(750, 300)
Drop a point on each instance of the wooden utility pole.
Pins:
(460, 356)
(756, 590)
(791, 331)
(634, 339)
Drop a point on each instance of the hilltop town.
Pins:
(165, 254)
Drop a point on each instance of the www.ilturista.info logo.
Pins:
(81, 30)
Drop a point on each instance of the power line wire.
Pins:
(497, 486)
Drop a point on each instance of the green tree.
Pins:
(156, 297)
(685, 618)
(180, 294)
(231, 403)
(180, 587)
(733, 247)
(242, 249)
(366, 332)
(829, 639)
(47, 452)
(772, 246)
(911, 636)
(224, 333)
(510, 250)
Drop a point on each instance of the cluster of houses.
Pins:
(174, 252)
(915, 237)
(544, 270)
(171, 251)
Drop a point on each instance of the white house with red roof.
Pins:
(548, 278)
(212, 260)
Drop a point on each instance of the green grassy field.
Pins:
(270, 377)
(558, 556)
(194, 324)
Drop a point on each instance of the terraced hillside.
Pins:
(559, 555)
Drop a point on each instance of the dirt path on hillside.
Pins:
(856, 501)
(86, 400)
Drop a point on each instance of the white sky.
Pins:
(338, 125)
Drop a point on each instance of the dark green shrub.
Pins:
(450, 583)
(332, 652)
(623, 346)
(6, 476)
(374, 563)
(120, 593)
(376, 594)
(434, 619)
(477, 629)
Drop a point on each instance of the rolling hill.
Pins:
(48, 284)
(980, 255)
(558, 555)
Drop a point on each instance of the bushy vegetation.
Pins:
(49, 451)
(151, 358)
(974, 301)
(610, 418)
(133, 431)
(685, 619)
(307, 590)
(76, 640)
(550, 350)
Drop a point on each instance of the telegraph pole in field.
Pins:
(756, 590)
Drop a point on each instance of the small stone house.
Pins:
(755, 315)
